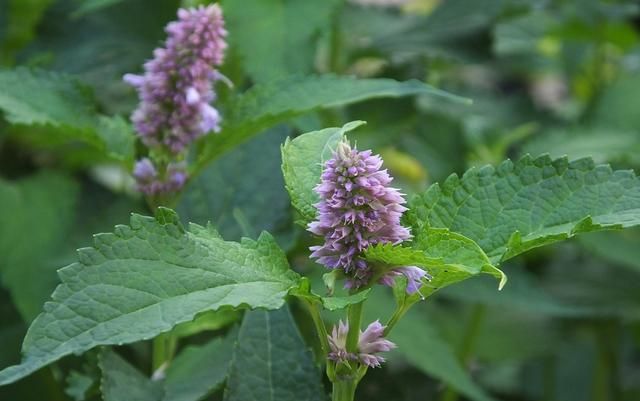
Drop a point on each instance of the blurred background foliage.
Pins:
(545, 76)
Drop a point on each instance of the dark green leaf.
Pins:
(121, 381)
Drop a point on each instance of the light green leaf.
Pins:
(121, 381)
(170, 275)
(65, 104)
(302, 162)
(271, 361)
(207, 321)
(199, 370)
(521, 205)
(420, 343)
(447, 256)
(266, 105)
(276, 38)
(331, 303)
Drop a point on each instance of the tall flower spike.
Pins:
(177, 86)
(357, 209)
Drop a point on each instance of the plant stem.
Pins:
(344, 390)
(320, 327)
(164, 347)
(466, 348)
(355, 319)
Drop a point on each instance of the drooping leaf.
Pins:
(420, 343)
(146, 278)
(121, 381)
(199, 370)
(277, 38)
(64, 104)
(268, 104)
(302, 162)
(521, 205)
(271, 361)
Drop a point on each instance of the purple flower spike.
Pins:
(357, 209)
(370, 343)
(176, 88)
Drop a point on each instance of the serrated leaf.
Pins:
(271, 362)
(65, 104)
(302, 162)
(199, 370)
(266, 105)
(447, 256)
(121, 381)
(521, 205)
(144, 279)
(276, 38)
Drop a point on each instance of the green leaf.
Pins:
(266, 105)
(276, 38)
(22, 20)
(620, 248)
(271, 362)
(207, 321)
(91, 6)
(170, 275)
(518, 206)
(421, 344)
(199, 370)
(302, 161)
(78, 385)
(447, 256)
(65, 104)
(603, 144)
(121, 381)
(230, 203)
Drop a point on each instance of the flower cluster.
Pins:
(370, 343)
(176, 92)
(150, 182)
(358, 209)
(176, 88)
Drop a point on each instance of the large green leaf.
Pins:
(266, 105)
(302, 162)
(65, 105)
(521, 205)
(276, 38)
(121, 381)
(146, 278)
(422, 345)
(271, 361)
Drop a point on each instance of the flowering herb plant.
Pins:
(163, 308)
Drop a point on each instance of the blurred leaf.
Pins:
(271, 362)
(207, 321)
(198, 370)
(225, 192)
(121, 381)
(65, 104)
(600, 143)
(520, 36)
(78, 385)
(277, 38)
(518, 206)
(23, 17)
(615, 107)
(173, 274)
(89, 6)
(420, 343)
(303, 159)
(620, 247)
(266, 105)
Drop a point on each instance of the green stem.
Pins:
(320, 327)
(466, 348)
(355, 320)
(344, 390)
(164, 347)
